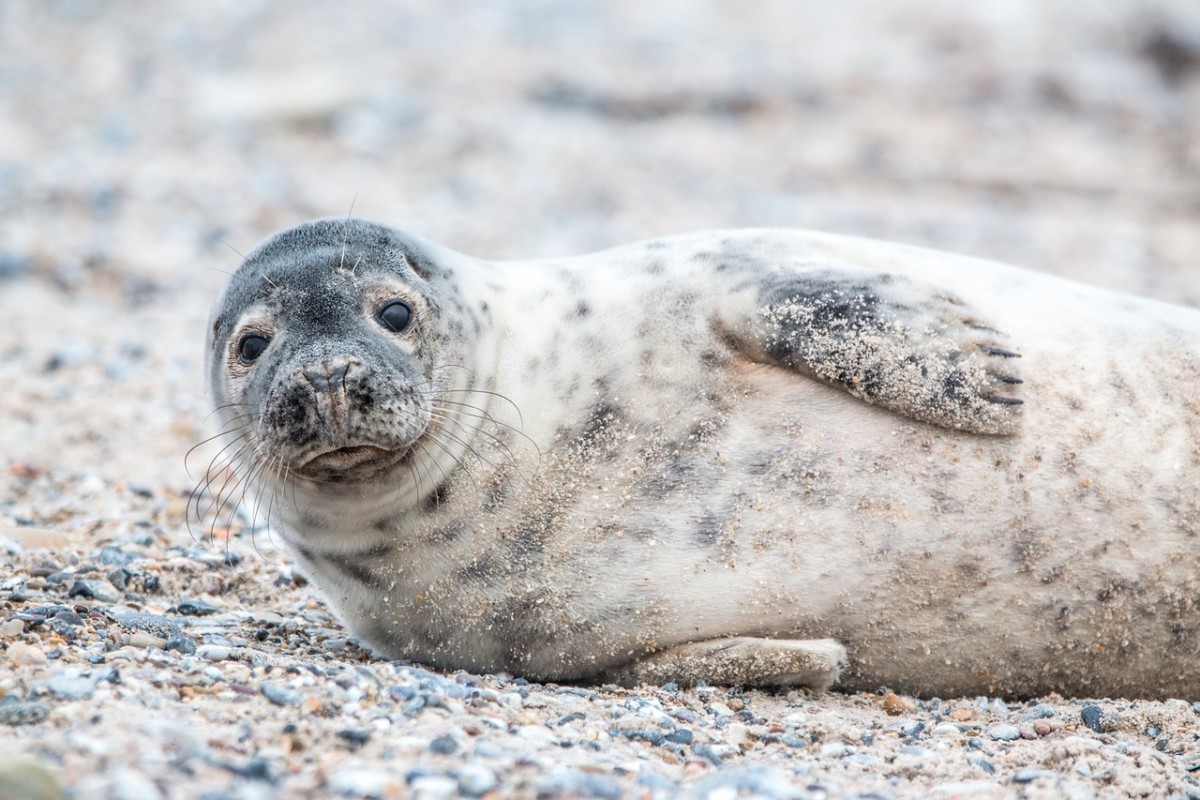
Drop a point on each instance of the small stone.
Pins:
(476, 779)
(434, 786)
(946, 729)
(213, 652)
(195, 608)
(1004, 732)
(357, 737)
(1042, 728)
(1040, 711)
(141, 639)
(181, 644)
(832, 750)
(576, 783)
(365, 781)
(116, 557)
(24, 655)
(12, 628)
(1030, 775)
(1092, 717)
(443, 745)
(277, 693)
(120, 578)
(70, 686)
(100, 590)
(720, 710)
(680, 736)
(24, 778)
(911, 728)
(23, 713)
(894, 705)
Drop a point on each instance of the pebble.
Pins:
(476, 779)
(22, 654)
(22, 778)
(946, 729)
(116, 557)
(1004, 732)
(94, 589)
(17, 713)
(1094, 718)
(14, 627)
(181, 644)
(70, 686)
(196, 608)
(213, 652)
(362, 781)
(1030, 775)
(433, 786)
(443, 745)
(277, 693)
(572, 782)
(143, 640)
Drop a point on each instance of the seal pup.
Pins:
(755, 457)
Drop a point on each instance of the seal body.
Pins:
(762, 457)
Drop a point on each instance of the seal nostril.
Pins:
(325, 376)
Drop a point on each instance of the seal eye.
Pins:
(251, 347)
(395, 316)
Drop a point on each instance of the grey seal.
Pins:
(756, 457)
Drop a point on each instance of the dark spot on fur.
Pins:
(709, 529)
(355, 571)
(582, 310)
(438, 497)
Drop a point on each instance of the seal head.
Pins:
(324, 353)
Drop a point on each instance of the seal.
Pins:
(758, 457)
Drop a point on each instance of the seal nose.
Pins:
(326, 375)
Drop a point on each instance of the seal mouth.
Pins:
(345, 458)
(349, 464)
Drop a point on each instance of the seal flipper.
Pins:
(885, 339)
(739, 661)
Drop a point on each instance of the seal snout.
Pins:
(326, 374)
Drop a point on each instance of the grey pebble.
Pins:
(1092, 717)
(911, 728)
(116, 557)
(357, 737)
(983, 764)
(581, 784)
(1030, 775)
(195, 608)
(443, 745)
(181, 644)
(1040, 711)
(916, 750)
(100, 590)
(680, 736)
(475, 779)
(70, 686)
(154, 624)
(1004, 732)
(23, 713)
(278, 694)
(751, 781)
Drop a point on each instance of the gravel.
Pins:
(146, 653)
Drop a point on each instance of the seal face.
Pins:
(749, 457)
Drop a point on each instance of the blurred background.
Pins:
(143, 145)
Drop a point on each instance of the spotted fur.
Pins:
(740, 456)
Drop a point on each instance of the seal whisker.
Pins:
(484, 415)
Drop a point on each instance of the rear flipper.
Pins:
(739, 661)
